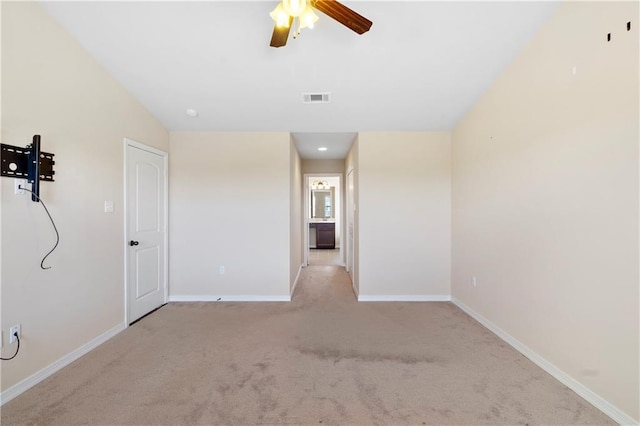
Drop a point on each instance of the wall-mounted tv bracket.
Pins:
(28, 163)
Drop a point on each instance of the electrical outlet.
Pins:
(221, 270)
(473, 281)
(20, 183)
(12, 333)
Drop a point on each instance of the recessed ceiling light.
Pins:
(322, 148)
(192, 113)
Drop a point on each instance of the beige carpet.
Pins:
(321, 359)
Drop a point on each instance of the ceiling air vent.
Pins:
(315, 98)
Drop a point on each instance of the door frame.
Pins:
(306, 183)
(165, 156)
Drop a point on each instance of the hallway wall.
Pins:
(351, 165)
(404, 211)
(296, 223)
(322, 166)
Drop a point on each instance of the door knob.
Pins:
(133, 243)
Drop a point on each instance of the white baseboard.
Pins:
(596, 400)
(404, 298)
(36, 378)
(295, 283)
(228, 298)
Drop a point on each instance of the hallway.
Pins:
(322, 287)
(325, 257)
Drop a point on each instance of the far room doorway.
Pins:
(323, 215)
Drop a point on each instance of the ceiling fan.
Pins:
(299, 13)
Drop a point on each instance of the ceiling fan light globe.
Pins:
(280, 17)
(308, 18)
(294, 8)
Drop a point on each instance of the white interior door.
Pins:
(146, 193)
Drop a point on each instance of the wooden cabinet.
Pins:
(325, 235)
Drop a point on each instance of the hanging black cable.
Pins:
(17, 350)
(52, 223)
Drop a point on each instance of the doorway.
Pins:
(145, 229)
(323, 219)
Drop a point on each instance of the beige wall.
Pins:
(52, 87)
(545, 200)
(229, 205)
(296, 223)
(405, 213)
(322, 166)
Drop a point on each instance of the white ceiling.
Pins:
(422, 65)
(337, 144)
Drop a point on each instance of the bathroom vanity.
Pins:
(322, 235)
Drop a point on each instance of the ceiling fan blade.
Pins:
(280, 34)
(343, 14)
